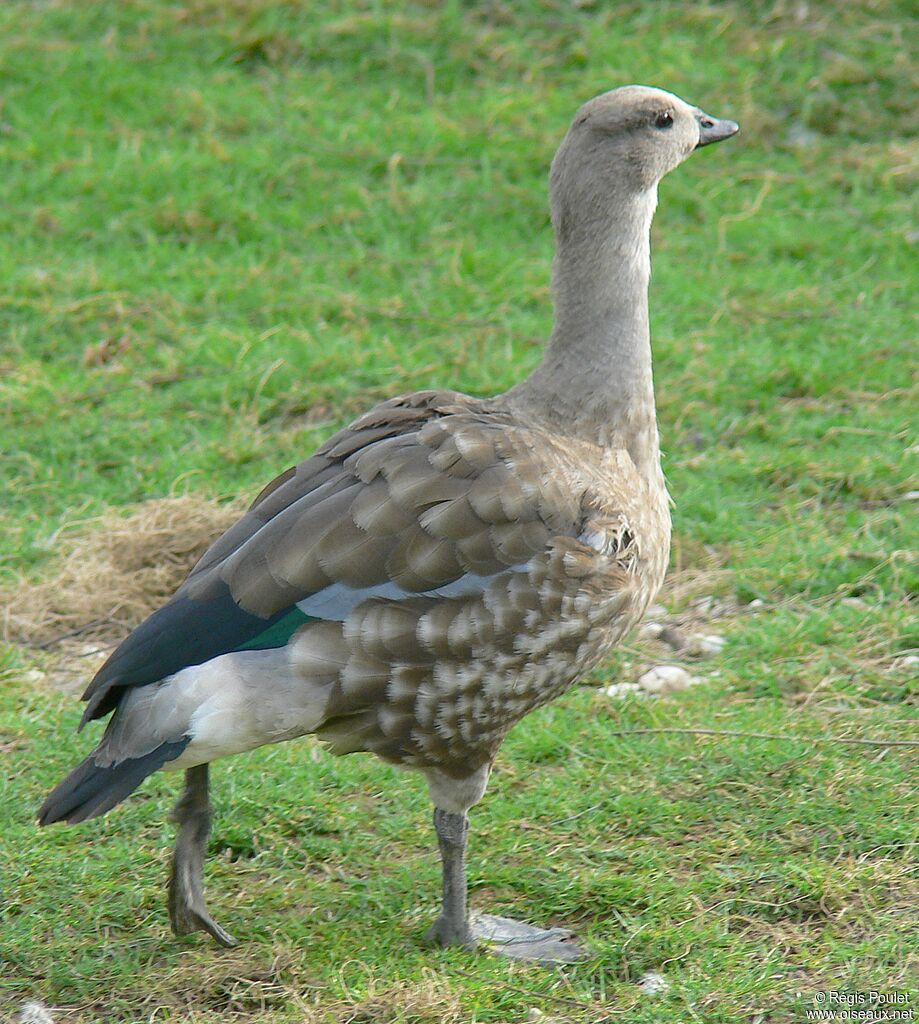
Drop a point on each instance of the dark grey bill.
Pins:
(711, 129)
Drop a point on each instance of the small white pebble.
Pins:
(33, 675)
(667, 679)
(853, 602)
(35, 1013)
(755, 604)
(909, 661)
(656, 611)
(910, 496)
(706, 645)
(534, 1013)
(623, 690)
(653, 983)
(650, 630)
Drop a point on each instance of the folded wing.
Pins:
(423, 496)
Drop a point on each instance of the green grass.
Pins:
(229, 226)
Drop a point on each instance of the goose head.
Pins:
(622, 143)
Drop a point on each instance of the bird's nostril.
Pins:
(706, 123)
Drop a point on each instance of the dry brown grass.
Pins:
(244, 988)
(113, 571)
(429, 1001)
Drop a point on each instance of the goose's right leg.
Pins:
(187, 909)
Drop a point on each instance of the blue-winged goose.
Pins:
(437, 569)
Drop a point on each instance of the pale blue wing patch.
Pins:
(336, 601)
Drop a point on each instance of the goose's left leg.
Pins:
(187, 909)
(453, 927)
(456, 926)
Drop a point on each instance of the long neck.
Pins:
(595, 379)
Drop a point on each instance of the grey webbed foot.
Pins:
(521, 941)
(187, 910)
(504, 936)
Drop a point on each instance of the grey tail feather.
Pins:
(90, 789)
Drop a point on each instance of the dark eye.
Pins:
(664, 120)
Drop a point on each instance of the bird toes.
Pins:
(220, 935)
(188, 918)
(188, 913)
(520, 941)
